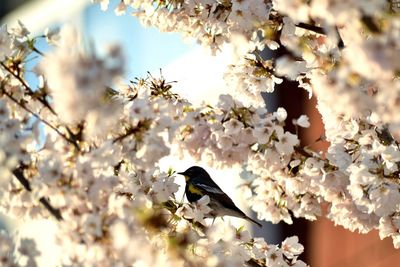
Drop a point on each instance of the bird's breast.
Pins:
(192, 193)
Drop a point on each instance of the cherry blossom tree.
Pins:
(83, 150)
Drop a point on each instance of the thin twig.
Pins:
(31, 92)
(320, 30)
(310, 27)
(125, 135)
(38, 51)
(53, 211)
(21, 178)
(18, 173)
(134, 130)
(22, 105)
(24, 84)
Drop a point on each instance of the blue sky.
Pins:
(146, 49)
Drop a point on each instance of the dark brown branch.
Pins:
(310, 27)
(142, 125)
(372, 25)
(34, 49)
(19, 174)
(125, 135)
(321, 30)
(254, 263)
(56, 213)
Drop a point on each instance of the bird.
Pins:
(199, 184)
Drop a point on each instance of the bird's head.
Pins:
(192, 172)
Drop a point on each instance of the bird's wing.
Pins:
(210, 189)
(214, 192)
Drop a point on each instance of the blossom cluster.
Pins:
(229, 133)
(13, 254)
(350, 54)
(101, 181)
(84, 150)
(252, 76)
(211, 23)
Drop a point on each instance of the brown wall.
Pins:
(334, 246)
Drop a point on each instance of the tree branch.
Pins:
(310, 27)
(24, 84)
(19, 174)
(321, 30)
(34, 49)
(142, 125)
(42, 99)
(22, 105)
(56, 213)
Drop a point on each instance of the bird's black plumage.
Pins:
(199, 184)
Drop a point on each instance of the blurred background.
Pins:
(149, 50)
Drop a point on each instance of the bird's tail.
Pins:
(253, 221)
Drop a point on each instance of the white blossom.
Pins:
(302, 121)
(86, 151)
(77, 81)
(5, 42)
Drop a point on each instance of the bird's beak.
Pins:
(184, 174)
